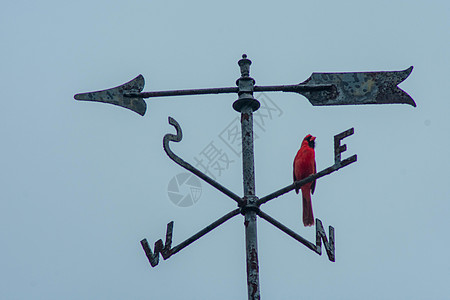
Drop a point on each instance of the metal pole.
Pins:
(246, 104)
(251, 241)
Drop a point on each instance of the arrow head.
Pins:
(358, 88)
(116, 95)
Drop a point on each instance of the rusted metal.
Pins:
(117, 96)
(177, 138)
(353, 88)
(251, 245)
(165, 249)
(248, 164)
(246, 104)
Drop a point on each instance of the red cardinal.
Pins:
(305, 165)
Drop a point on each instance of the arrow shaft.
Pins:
(295, 88)
(183, 92)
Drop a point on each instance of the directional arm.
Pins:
(320, 236)
(287, 230)
(205, 230)
(299, 183)
(177, 138)
(166, 249)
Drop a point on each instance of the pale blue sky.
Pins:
(82, 183)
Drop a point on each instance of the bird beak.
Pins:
(313, 138)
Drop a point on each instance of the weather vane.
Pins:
(320, 89)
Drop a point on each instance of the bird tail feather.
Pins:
(308, 217)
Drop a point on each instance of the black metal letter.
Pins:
(153, 257)
(338, 148)
(320, 235)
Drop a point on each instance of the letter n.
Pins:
(321, 236)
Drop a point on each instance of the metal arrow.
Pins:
(351, 88)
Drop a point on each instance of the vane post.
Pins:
(246, 104)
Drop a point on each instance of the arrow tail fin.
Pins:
(116, 95)
(359, 88)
